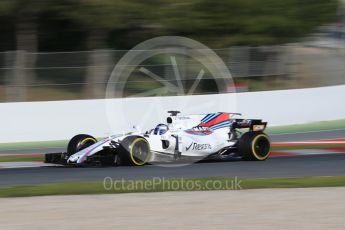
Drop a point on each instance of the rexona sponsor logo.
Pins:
(198, 147)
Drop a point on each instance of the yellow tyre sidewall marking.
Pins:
(88, 139)
(253, 147)
(131, 151)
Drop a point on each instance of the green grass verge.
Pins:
(21, 158)
(315, 126)
(33, 145)
(326, 125)
(202, 184)
(301, 147)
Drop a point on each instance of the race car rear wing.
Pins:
(252, 124)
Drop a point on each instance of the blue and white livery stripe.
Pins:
(220, 125)
(209, 117)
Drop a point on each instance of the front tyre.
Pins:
(79, 142)
(254, 146)
(135, 150)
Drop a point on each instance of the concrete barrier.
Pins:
(56, 120)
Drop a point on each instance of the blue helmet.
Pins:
(160, 129)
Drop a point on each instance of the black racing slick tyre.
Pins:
(79, 142)
(254, 146)
(135, 151)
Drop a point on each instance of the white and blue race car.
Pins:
(219, 135)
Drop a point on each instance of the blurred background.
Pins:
(66, 49)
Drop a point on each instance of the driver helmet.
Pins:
(160, 129)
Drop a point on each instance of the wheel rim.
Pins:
(85, 143)
(140, 151)
(261, 147)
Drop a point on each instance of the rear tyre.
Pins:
(135, 151)
(254, 146)
(79, 142)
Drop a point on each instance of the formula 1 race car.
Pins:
(182, 138)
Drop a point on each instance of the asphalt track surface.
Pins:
(296, 166)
